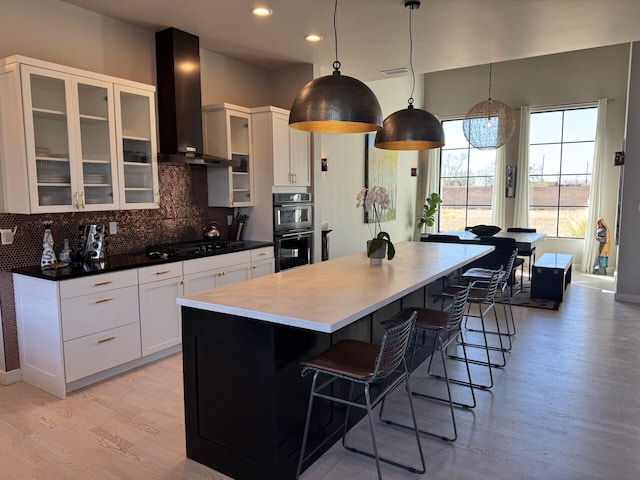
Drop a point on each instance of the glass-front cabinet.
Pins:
(228, 135)
(89, 143)
(135, 111)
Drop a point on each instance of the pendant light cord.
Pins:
(490, 69)
(413, 75)
(336, 63)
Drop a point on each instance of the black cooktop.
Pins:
(191, 248)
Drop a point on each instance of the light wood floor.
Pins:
(567, 406)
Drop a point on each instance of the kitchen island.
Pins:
(245, 400)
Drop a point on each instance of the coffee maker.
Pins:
(93, 242)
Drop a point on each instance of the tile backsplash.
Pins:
(182, 214)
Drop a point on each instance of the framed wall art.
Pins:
(381, 169)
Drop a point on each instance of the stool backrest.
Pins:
(456, 312)
(508, 269)
(393, 348)
(492, 287)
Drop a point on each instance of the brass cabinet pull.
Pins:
(108, 339)
(104, 300)
(102, 283)
(221, 274)
(82, 199)
(77, 203)
(254, 266)
(163, 272)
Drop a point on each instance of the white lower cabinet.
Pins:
(212, 272)
(158, 288)
(75, 332)
(262, 262)
(73, 329)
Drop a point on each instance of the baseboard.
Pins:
(12, 376)
(622, 297)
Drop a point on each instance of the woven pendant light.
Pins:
(336, 103)
(411, 128)
(489, 124)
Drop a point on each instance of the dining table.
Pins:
(524, 240)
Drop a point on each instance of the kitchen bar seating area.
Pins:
(531, 425)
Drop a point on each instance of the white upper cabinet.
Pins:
(136, 134)
(65, 137)
(227, 131)
(290, 149)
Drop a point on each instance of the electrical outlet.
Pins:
(113, 228)
(229, 219)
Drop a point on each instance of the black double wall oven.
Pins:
(293, 229)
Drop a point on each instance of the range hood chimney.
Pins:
(180, 101)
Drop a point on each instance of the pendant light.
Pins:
(336, 103)
(489, 124)
(411, 128)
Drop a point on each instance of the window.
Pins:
(561, 148)
(466, 181)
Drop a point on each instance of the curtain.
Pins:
(521, 208)
(499, 186)
(429, 181)
(591, 245)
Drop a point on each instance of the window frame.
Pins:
(469, 178)
(560, 206)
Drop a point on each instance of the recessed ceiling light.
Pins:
(313, 38)
(262, 11)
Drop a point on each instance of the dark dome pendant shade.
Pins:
(336, 104)
(411, 128)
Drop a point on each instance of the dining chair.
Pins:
(364, 364)
(530, 254)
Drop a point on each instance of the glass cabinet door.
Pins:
(135, 110)
(240, 132)
(97, 151)
(48, 137)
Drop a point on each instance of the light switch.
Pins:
(113, 228)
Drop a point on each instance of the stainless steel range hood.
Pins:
(180, 101)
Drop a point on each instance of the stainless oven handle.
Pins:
(285, 235)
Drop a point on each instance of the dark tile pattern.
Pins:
(182, 214)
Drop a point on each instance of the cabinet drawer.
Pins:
(261, 254)
(154, 273)
(90, 314)
(94, 353)
(215, 262)
(98, 283)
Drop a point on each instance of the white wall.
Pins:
(61, 33)
(561, 79)
(628, 280)
(336, 201)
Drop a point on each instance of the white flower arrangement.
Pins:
(375, 200)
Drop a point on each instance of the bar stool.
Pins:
(362, 363)
(484, 298)
(446, 325)
(484, 275)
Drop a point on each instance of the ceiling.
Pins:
(373, 35)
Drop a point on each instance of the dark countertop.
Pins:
(114, 263)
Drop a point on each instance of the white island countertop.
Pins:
(327, 296)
